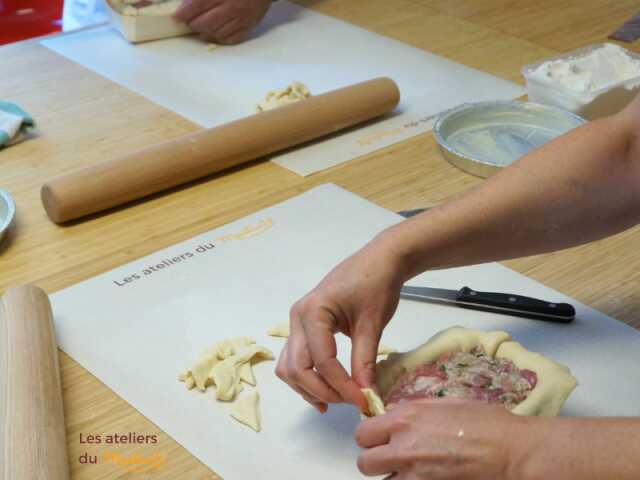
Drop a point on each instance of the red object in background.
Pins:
(22, 19)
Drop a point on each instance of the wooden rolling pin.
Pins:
(192, 156)
(32, 434)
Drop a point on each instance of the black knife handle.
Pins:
(516, 305)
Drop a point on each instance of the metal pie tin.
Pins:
(7, 212)
(482, 138)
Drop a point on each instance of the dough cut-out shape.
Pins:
(246, 410)
(280, 330)
(227, 365)
(374, 403)
(278, 98)
(226, 348)
(554, 381)
(200, 374)
(226, 373)
(201, 371)
(246, 374)
(385, 350)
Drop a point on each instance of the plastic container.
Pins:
(590, 105)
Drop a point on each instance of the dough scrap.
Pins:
(246, 410)
(246, 374)
(555, 381)
(385, 350)
(280, 330)
(278, 98)
(201, 371)
(226, 373)
(227, 365)
(226, 348)
(375, 406)
(283, 330)
(226, 377)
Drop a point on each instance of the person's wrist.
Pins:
(528, 454)
(388, 244)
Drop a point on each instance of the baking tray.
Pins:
(482, 138)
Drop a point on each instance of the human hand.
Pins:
(222, 21)
(444, 439)
(357, 298)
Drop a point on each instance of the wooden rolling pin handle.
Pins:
(32, 432)
(121, 180)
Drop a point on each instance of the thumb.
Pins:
(364, 351)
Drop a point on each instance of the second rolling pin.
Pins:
(32, 433)
(153, 169)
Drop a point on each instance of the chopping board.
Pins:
(136, 327)
(211, 87)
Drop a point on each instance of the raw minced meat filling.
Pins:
(471, 376)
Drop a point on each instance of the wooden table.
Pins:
(84, 118)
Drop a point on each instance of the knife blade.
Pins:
(503, 303)
(411, 213)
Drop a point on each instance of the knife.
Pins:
(411, 213)
(504, 303)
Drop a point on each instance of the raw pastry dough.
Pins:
(144, 20)
(225, 365)
(226, 373)
(226, 348)
(555, 382)
(375, 406)
(150, 7)
(280, 330)
(200, 371)
(246, 374)
(247, 410)
(385, 350)
(274, 99)
(283, 330)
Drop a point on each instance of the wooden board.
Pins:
(84, 118)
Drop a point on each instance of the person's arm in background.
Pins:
(222, 21)
(581, 187)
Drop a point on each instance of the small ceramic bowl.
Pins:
(7, 212)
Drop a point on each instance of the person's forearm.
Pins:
(579, 449)
(581, 187)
